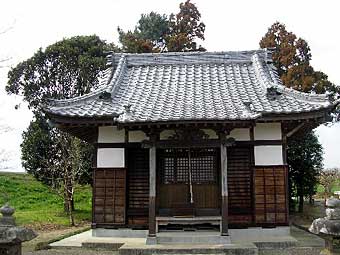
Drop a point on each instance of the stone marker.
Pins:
(329, 226)
(12, 236)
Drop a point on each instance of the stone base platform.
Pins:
(199, 237)
(280, 241)
(229, 249)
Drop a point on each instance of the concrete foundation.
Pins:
(258, 233)
(196, 237)
(278, 241)
(230, 249)
(213, 237)
(121, 232)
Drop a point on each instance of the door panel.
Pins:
(180, 169)
(205, 195)
(173, 195)
(109, 196)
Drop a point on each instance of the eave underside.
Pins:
(86, 128)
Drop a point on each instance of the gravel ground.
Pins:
(81, 251)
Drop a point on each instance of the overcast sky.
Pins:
(230, 25)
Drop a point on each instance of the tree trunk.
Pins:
(68, 192)
(68, 198)
(70, 213)
(300, 203)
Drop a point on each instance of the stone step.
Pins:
(192, 239)
(276, 244)
(186, 249)
(120, 232)
(112, 246)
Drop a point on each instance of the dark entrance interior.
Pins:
(138, 187)
(240, 185)
(188, 182)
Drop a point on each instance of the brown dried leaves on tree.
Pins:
(162, 33)
(328, 179)
(185, 28)
(292, 56)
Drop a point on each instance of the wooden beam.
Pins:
(284, 147)
(118, 145)
(297, 128)
(152, 193)
(209, 143)
(252, 164)
(224, 187)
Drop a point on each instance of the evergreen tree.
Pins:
(292, 56)
(161, 33)
(66, 69)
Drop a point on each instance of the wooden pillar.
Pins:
(224, 191)
(152, 192)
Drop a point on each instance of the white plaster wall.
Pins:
(164, 135)
(110, 134)
(110, 157)
(211, 133)
(240, 134)
(137, 136)
(267, 131)
(268, 155)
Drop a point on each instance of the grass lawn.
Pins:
(37, 206)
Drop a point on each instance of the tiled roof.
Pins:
(189, 86)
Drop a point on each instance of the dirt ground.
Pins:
(47, 233)
(79, 251)
(311, 212)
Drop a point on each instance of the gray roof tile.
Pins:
(189, 86)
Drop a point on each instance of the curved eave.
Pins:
(112, 76)
(62, 120)
(321, 115)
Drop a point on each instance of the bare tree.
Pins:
(4, 128)
(4, 60)
(4, 155)
(64, 171)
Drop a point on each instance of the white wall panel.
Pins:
(211, 133)
(110, 134)
(267, 131)
(110, 157)
(137, 136)
(164, 135)
(268, 155)
(240, 134)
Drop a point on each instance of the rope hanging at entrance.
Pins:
(190, 177)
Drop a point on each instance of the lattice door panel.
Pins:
(174, 165)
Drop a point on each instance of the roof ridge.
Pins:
(259, 72)
(117, 76)
(106, 86)
(181, 53)
(277, 83)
